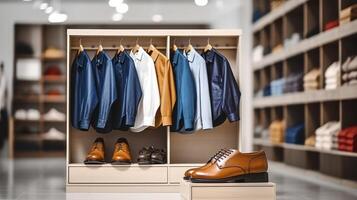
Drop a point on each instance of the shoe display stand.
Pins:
(184, 151)
(26, 136)
(227, 191)
(313, 108)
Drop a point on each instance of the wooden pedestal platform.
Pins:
(227, 191)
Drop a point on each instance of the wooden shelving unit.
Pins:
(26, 136)
(313, 108)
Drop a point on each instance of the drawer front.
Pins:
(176, 174)
(117, 174)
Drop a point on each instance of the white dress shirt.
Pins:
(203, 101)
(2, 89)
(150, 100)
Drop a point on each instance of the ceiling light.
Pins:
(117, 17)
(201, 2)
(43, 6)
(115, 3)
(157, 18)
(57, 17)
(122, 8)
(27, 0)
(49, 9)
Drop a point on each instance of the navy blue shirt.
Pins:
(107, 91)
(128, 91)
(84, 97)
(185, 108)
(224, 91)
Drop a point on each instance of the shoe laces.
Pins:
(225, 155)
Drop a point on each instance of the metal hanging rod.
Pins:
(159, 48)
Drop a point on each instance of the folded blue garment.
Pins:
(295, 134)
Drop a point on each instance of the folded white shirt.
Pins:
(330, 128)
(333, 80)
(331, 86)
(333, 70)
(258, 53)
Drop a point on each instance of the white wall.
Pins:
(233, 14)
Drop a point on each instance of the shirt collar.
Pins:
(99, 59)
(138, 55)
(154, 54)
(121, 57)
(190, 55)
(209, 55)
(175, 57)
(82, 58)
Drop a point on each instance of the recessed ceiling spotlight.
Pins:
(43, 6)
(157, 18)
(117, 17)
(122, 8)
(115, 3)
(49, 9)
(201, 2)
(57, 17)
(26, 0)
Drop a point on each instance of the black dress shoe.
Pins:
(158, 156)
(144, 157)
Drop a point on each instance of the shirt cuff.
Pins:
(84, 124)
(232, 117)
(101, 123)
(130, 121)
(167, 121)
(188, 124)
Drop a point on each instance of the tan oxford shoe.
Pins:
(121, 154)
(96, 153)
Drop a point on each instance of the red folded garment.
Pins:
(331, 24)
(53, 71)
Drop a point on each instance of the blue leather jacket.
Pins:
(224, 91)
(84, 97)
(128, 90)
(185, 108)
(106, 86)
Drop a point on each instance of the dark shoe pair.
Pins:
(151, 155)
(121, 154)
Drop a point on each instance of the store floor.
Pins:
(43, 179)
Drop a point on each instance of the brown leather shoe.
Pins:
(121, 154)
(96, 153)
(189, 172)
(234, 166)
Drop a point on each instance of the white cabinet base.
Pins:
(227, 191)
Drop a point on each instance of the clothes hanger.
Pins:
(121, 47)
(136, 47)
(189, 46)
(151, 46)
(174, 47)
(100, 47)
(80, 49)
(208, 46)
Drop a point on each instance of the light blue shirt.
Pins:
(203, 119)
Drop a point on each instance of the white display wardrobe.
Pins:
(183, 150)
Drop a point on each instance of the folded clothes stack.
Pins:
(276, 131)
(347, 139)
(331, 24)
(292, 41)
(326, 135)
(348, 14)
(277, 48)
(293, 83)
(277, 87)
(312, 80)
(349, 69)
(274, 4)
(295, 134)
(267, 90)
(258, 53)
(310, 141)
(332, 76)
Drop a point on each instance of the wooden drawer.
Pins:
(117, 174)
(176, 174)
(227, 191)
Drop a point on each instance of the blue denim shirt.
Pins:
(224, 91)
(107, 91)
(185, 107)
(128, 91)
(84, 96)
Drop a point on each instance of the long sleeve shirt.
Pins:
(203, 119)
(150, 100)
(224, 91)
(167, 88)
(128, 91)
(107, 91)
(185, 108)
(84, 96)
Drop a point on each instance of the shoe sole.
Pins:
(144, 162)
(153, 161)
(186, 178)
(93, 162)
(120, 163)
(246, 178)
